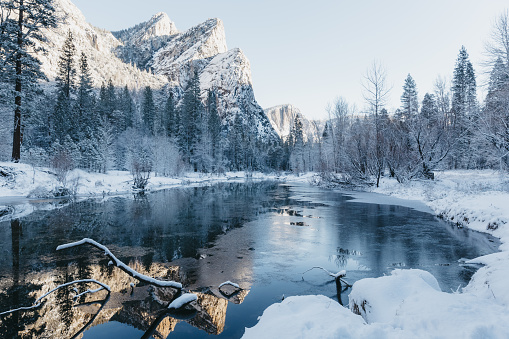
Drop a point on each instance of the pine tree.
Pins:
(66, 69)
(170, 113)
(85, 100)
(297, 155)
(111, 101)
(494, 123)
(148, 110)
(409, 104)
(19, 65)
(65, 116)
(214, 124)
(190, 114)
(429, 109)
(464, 109)
(126, 106)
(61, 117)
(463, 88)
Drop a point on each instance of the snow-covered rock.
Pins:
(282, 119)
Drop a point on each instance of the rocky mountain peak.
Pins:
(159, 25)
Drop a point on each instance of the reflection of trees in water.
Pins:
(144, 231)
(342, 256)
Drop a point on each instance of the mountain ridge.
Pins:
(154, 53)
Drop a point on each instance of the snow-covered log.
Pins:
(38, 302)
(121, 265)
(229, 283)
(183, 300)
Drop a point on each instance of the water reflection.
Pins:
(194, 236)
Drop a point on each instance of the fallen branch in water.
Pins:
(229, 283)
(183, 300)
(121, 265)
(38, 302)
(337, 276)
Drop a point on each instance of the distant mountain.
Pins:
(156, 54)
(282, 119)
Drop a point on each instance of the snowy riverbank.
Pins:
(24, 188)
(409, 303)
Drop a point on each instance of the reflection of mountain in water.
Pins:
(177, 226)
(60, 317)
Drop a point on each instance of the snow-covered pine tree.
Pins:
(214, 127)
(126, 106)
(429, 108)
(85, 98)
(66, 78)
(65, 115)
(148, 110)
(409, 103)
(494, 118)
(297, 163)
(464, 109)
(190, 115)
(463, 89)
(170, 115)
(20, 32)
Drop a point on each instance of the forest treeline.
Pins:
(70, 124)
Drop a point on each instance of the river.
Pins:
(264, 236)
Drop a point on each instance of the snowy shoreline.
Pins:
(409, 303)
(19, 182)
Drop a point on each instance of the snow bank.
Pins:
(411, 300)
(406, 304)
(315, 316)
(475, 199)
(378, 299)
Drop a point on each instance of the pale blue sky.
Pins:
(308, 52)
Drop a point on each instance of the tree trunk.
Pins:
(16, 136)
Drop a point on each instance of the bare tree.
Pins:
(376, 93)
(498, 45)
(375, 88)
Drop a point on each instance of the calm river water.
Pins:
(261, 235)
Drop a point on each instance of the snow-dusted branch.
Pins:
(183, 300)
(337, 276)
(121, 265)
(229, 283)
(38, 302)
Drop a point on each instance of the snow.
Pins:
(182, 300)
(313, 317)
(229, 283)
(409, 303)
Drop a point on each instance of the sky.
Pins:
(307, 53)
